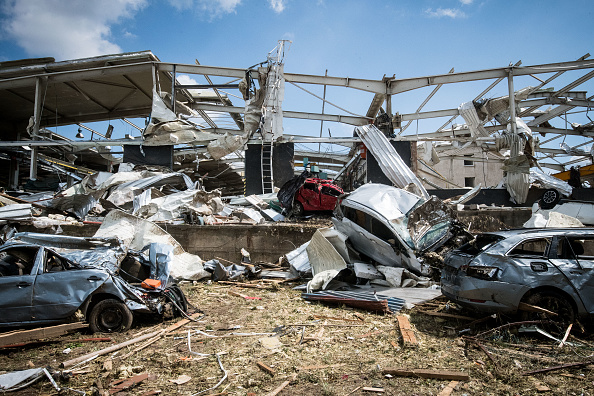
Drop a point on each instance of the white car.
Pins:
(394, 227)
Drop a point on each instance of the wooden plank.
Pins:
(282, 386)
(320, 367)
(372, 389)
(127, 383)
(447, 391)
(447, 315)
(15, 337)
(534, 308)
(428, 373)
(266, 368)
(408, 335)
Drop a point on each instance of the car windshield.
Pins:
(479, 244)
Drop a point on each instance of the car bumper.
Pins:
(483, 295)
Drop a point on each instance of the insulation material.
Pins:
(224, 145)
(388, 159)
(160, 111)
(468, 112)
(575, 150)
(550, 219)
(499, 107)
(137, 233)
(176, 132)
(517, 167)
(327, 251)
(174, 205)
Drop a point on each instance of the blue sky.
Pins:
(362, 39)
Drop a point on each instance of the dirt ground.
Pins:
(319, 349)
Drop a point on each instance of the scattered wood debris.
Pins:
(428, 373)
(408, 335)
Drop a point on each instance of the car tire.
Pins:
(550, 198)
(297, 210)
(110, 316)
(554, 302)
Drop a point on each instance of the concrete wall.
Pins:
(265, 242)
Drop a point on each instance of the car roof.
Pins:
(544, 231)
(390, 202)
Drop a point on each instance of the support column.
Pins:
(512, 99)
(40, 84)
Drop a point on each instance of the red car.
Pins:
(316, 195)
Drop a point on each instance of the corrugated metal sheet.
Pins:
(388, 159)
(394, 303)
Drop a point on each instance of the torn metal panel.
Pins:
(468, 196)
(16, 380)
(499, 107)
(16, 212)
(327, 251)
(137, 233)
(299, 260)
(389, 160)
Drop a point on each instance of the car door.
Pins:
(575, 258)
(62, 287)
(310, 196)
(19, 266)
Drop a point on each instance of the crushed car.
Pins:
(309, 194)
(49, 279)
(394, 227)
(547, 268)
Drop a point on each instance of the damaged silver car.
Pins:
(48, 279)
(548, 268)
(394, 227)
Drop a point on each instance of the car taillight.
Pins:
(487, 273)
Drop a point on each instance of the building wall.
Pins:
(485, 171)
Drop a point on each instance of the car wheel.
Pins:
(554, 302)
(550, 198)
(110, 316)
(297, 210)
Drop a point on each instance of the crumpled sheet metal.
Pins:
(389, 160)
(16, 212)
(137, 233)
(327, 251)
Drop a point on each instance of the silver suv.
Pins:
(549, 268)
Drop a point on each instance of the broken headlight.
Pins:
(486, 273)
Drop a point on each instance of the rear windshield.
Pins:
(479, 244)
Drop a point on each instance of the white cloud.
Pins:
(445, 12)
(213, 8)
(277, 5)
(66, 29)
(466, 2)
